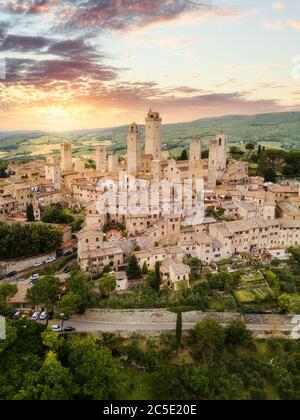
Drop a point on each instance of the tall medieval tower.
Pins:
(101, 157)
(133, 150)
(66, 157)
(217, 162)
(153, 141)
(195, 158)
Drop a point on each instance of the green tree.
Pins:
(196, 266)
(236, 151)
(157, 277)
(51, 340)
(7, 290)
(52, 382)
(145, 269)
(80, 285)
(107, 284)
(57, 215)
(250, 146)
(269, 174)
(217, 213)
(30, 213)
(18, 240)
(209, 338)
(184, 155)
(94, 368)
(284, 303)
(197, 379)
(77, 225)
(45, 292)
(273, 282)
(133, 269)
(237, 333)
(70, 304)
(179, 327)
(3, 169)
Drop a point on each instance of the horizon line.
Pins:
(164, 124)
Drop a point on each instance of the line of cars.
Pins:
(47, 261)
(30, 314)
(37, 264)
(42, 316)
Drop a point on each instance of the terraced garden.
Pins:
(254, 288)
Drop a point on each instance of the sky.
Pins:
(79, 64)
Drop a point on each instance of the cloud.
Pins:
(274, 24)
(29, 6)
(123, 15)
(23, 43)
(295, 24)
(279, 5)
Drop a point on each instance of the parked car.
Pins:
(43, 315)
(38, 263)
(12, 274)
(56, 328)
(26, 314)
(69, 329)
(50, 260)
(66, 269)
(34, 278)
(17, 314)
(35, 316)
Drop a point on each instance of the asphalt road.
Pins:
(92, 326)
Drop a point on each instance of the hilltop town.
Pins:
(259, 219)
(199, 239)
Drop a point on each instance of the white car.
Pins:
(34, 278)
(43, 315)
(56, 328)
(50, 260)
(38, 263)
(35, 316)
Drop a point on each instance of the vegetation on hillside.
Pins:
(210, 362)
(280, 130)
(18, 240)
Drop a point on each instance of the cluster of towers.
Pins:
(151, 160)
(217, 151)
(152, 144)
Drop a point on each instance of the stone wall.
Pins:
(140, 316)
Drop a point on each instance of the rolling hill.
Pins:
(271, 130)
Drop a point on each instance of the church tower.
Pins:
(133, 150)
(153, 141)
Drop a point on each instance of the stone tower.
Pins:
(113, 164)
(195, 149)
(153, 142)
(217, 161)
(218, 154)
(195, 157)
(134, 158)
(101, 156)
(66, 157)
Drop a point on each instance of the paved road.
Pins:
(92, 326)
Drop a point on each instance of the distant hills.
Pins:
(275, 130)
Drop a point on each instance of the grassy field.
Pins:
(254, 288)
